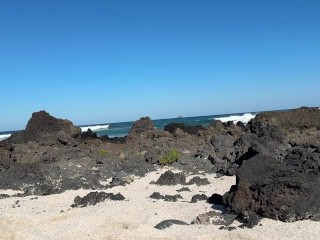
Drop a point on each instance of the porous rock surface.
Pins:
(94, 198)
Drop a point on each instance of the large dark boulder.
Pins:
(282, 190)
(43, 127)
(170, 179)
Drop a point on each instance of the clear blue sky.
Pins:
(114, 60)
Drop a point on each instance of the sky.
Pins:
(102, 61)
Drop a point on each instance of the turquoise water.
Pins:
(122, 129)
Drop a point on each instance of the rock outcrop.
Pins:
(49, 157)
(141, 127)
(46, 129)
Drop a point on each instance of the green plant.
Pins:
(103, 152)
(170, 157)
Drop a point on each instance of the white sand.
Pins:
(134, 218)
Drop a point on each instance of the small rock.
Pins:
(128, 179)
(170, 179)
(2, 196)
(215, 199)
(168, 223)
(228, 228)
(116, 181)
(203, 219)
(167, 198)
(96, 197)
(199, 197)
(199, 181)
(215, 218)
(156, 195)
(184, 189)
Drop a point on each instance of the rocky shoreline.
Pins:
(275, 159)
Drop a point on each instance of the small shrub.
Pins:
(103, 152)
(170, 157)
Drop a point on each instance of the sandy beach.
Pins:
(51, 217)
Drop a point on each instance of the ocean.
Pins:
(122, 128)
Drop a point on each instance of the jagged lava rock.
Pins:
(282, 190)
(141, 126)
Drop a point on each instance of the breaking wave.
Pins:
(245, 118)
(83, 129)
(4, 136)
(95, 128)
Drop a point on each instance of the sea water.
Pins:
(122, 129)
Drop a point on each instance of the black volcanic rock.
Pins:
(199, 197)
(304, 161)
(215, 199)
(141, 126)
(167, 198)
(184, 189)
(5, 155)
(44, 128)
(241, 125)
(199, 181)
(193, 130)
(281, 190)
(169, 178)
(168, 223)
(88, 134)
(94, 198)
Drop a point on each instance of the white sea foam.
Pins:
(4, 136)
(245, 118)
(95, 128)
